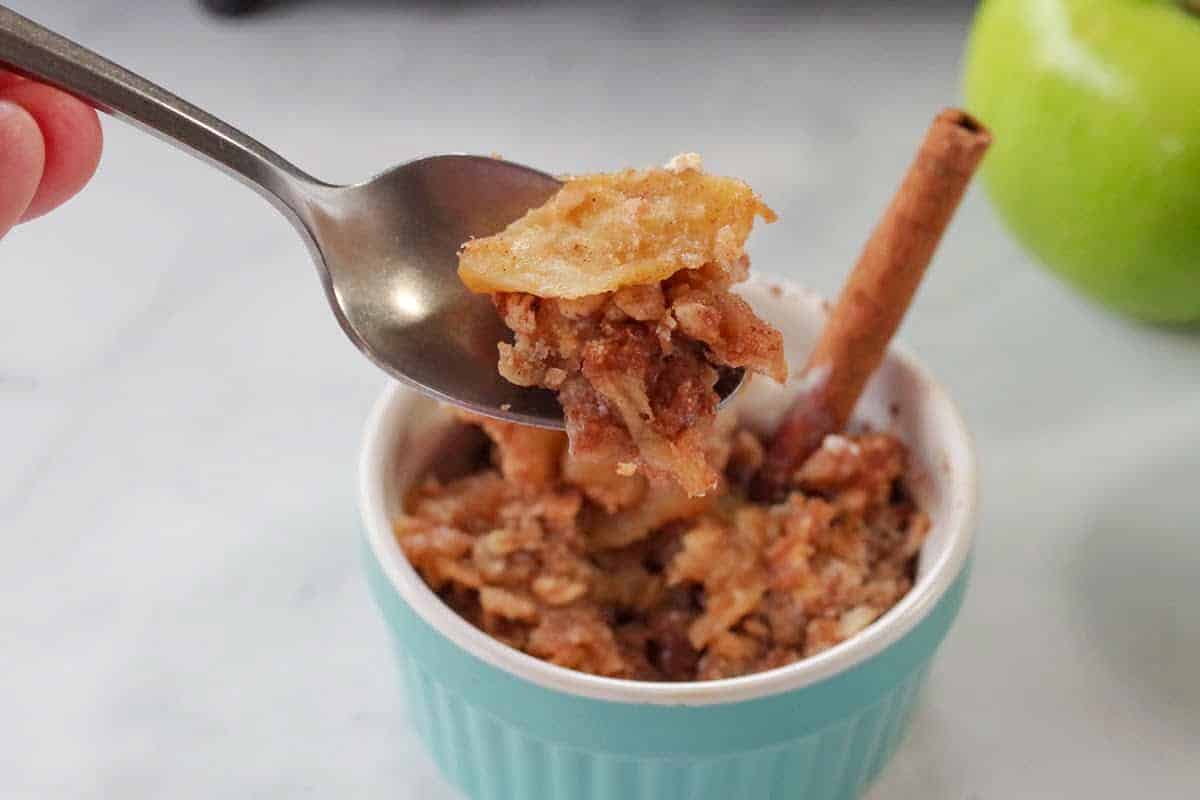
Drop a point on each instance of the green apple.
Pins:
(1095, 107)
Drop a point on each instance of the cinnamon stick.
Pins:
(876, 295)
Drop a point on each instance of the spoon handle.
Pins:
(36, 52)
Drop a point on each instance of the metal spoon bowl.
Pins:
(386, 249)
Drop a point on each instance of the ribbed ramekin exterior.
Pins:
(490, 759)
(500, 737)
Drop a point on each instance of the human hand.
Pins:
(49, 148)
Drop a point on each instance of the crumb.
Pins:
(836, 443)
(684, 162)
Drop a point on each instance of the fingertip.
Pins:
(22, 161)
(72, 142)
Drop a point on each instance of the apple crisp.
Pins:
(618, 293)
(598, 570)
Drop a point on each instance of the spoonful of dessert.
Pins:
(386, 250)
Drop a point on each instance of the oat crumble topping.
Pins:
(575, 563)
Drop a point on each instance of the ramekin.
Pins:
(505, 726)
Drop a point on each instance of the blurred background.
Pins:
(181, 609)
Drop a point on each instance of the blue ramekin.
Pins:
(505, 726)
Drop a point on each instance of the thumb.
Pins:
(22, 158)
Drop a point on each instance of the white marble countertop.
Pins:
(181, 609)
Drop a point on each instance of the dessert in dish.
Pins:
(564, 560)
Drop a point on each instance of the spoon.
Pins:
(386, 250)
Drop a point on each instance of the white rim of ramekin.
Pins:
(892, 626)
